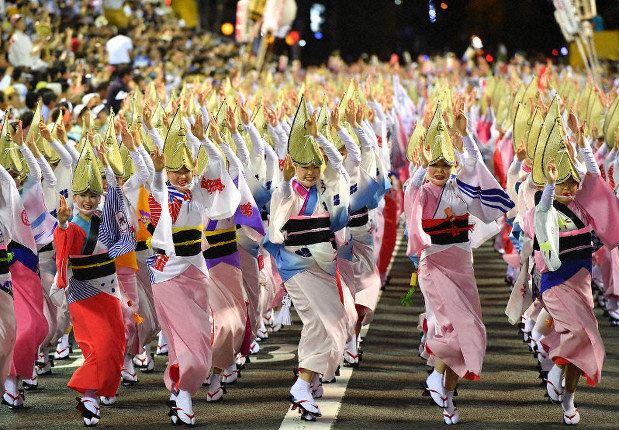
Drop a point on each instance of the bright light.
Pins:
(564, 51)
(477, 42)
(318, 35)
(444, 6)
(227, 28)
(489, 58)
(302, 42)
(432, 12)
(398, 2)
(292, 38)
(555, 52)
(317, 17)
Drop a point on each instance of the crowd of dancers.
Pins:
(195, 217)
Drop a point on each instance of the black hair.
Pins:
(26, 119)
(48, 96)
(32, 97)
(56, 113)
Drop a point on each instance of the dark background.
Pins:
(382, 27)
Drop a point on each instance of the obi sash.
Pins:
(222, 243)
(447, 231)
(87, 267)
(301, 230)
(187, 241)
(359, 218)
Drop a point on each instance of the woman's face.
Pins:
(87, 201)
(439, 173)
(566, 191)
(181, 179)
(308, 175)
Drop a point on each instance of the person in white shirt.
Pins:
(119, 49)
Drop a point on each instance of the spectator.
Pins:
(119, 89)
(119, 48)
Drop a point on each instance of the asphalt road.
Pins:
(383, 393)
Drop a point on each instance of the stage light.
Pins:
(564, 51)
(318, 35)
(398, 2)
(555, 52)
(302, 42)
(489, 58)
(292, 37)
(444, 6)
(227, 28)
(476, 41)
(432, 12)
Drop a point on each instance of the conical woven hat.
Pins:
(43, 145)
(175, 148)
(535, 127)
(414, 142)
(9, 153)
(87, 175)
(323, 121)
(261, 124)
(438, 138)
(556, 148)
(128, 167)
(302, 147)
(611, 122)
(522, 125)
(110, 143)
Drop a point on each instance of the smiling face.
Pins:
(308, 175)
(566, 190)
(439, 172)
(86, 202)
(181, 179)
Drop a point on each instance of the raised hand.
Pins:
(18, 134)
(102, 157)
(62, 136)
(521, 152)
(158, 159)
(33, 147)
(214, 130)
(311, 126)
(572, 121)
(289, 169)
(244, 112)
(64, 211)
(147, 116)
(198, 128)
(335, 117)
(231, 120)
(127, 138)
(426, 153)
(44, 131)
(551, 172)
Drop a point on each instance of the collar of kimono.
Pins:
(174, 193)
(310, 195)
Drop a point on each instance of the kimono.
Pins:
(229, 313)
(93, 289)
(563, 253)
(178, 271)
(300, 237)
(438, 222)
(32, 326)
(8, 323)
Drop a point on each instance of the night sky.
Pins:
(383, 27)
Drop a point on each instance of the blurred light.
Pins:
(317, 17)
(444, 6)
(426, 58)
(432, 12)
(555, 52)
(489, 58)
(318, 35)
(398, 2)
(227, 28)
(292, 38)
(302, 42)
(564, 51)
(477, 43)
